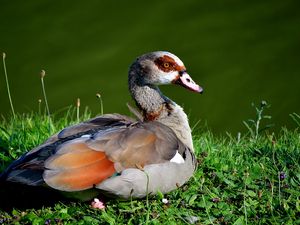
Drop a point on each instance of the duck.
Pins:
(116, 155)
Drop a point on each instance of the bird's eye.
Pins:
(166, 65)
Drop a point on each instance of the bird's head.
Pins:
(161, 67)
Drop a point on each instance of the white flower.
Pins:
(165, 201)
(97, 204)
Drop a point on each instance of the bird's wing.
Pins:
(29, 168)
(82, 158)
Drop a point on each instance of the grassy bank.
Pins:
(247, 179)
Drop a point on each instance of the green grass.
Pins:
(239, 180)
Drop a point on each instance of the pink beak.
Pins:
(186, 81)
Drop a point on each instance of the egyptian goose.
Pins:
(114, 154)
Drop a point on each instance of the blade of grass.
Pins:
(101, 102)
(7, 85)
(43, 74)
(206, 210)
(77, 109)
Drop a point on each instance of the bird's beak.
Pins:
(186, 81)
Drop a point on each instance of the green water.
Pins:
(238, 51)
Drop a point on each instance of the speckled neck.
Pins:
(148, 98)
(157, 107)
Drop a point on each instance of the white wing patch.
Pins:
(86, 136)
(177, 158)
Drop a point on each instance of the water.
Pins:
(239, 52)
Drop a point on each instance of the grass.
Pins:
(240, 180)
(7, 84)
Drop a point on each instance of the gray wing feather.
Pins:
(163, 177)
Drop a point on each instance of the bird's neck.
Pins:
(157, 107)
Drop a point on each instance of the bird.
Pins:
(116, 155)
